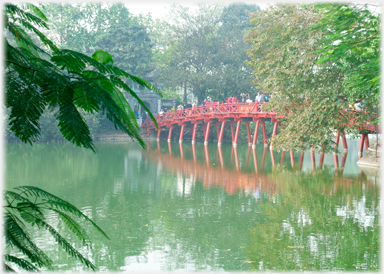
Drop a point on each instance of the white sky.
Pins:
(159, 8)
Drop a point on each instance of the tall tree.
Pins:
(352, 39)
(310, 95)
(61, 79)
(110, 27)
(235, 75)
(39, 76)
(191, 51)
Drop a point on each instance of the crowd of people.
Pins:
(211, 104)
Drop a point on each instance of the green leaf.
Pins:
(102, 57)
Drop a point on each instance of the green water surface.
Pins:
(177, 207)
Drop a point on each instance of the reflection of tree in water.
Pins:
(320, 222)
(85, 179)
(207, 226)
(317, 220)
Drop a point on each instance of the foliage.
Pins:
(353, 35)
(206, 51)
(171, 94)
(188, 60)
(27, 207)
(310, 96)
(110, 27)
(235, 76)
(41, 77)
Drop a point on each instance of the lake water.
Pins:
(182, 207)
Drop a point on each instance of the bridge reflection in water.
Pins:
(253, 179)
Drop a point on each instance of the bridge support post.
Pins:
(366, 141)
(248, 154)
(193, 153)
(301, 160)
(336, 161)
(364, 138)
(337, 139)
(181, 151)
(321, 160)
(221, 157)
(273, 158)
(313, 163)
(255, 160)
(264, 133)
(248, 133)
(236, 159)
(263, 159)
(292, 158)
(206, 152)
(170, 134)
(221, 133)
(158, 134)
(282, 158)
(232, 131)
(274, 132)
(237, 132)
(194, 132)
(206, 135)
(255, 134)
(344, 141)
(181, 133)
(344, 159)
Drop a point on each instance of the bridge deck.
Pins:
(219, 114)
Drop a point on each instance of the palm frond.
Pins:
(36, 10)
(13, 10)
(18, 237)
(73, 226)
(27, 107)
(66, 245)
(8, 268)
(117, 81)
(56, 202)
(24, 264)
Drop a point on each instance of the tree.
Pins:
(62, 80)
(29, 206)
(41, 76)
(309, 95)
(235, 75)
(353, 36)
(189, 60)
(110, 27)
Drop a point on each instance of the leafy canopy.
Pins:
(39, 75)
(309, 95)
(352, 36)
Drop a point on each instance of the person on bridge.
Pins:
(189, 105)
(262, 98)
(258, 97)
(234, 100)
(243, 97)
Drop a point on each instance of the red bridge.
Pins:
(219, 115)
